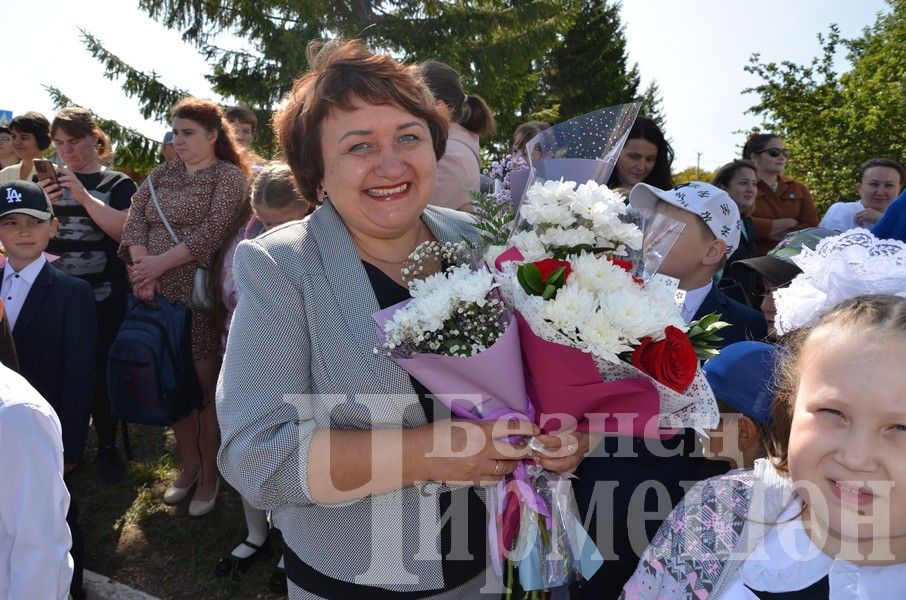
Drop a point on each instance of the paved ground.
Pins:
(100, 587)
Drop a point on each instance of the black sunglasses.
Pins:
(775, 152)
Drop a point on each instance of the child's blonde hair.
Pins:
(881, 314)
(274, 187)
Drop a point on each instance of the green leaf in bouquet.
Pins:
(706, 353)
(529, 277)
(493, 218)
(557, 278)
(549, 292)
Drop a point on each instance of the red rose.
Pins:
(626, 266)
(671, 361)
(549, 265)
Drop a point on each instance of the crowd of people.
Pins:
(334, 446)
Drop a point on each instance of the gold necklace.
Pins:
(392, 262)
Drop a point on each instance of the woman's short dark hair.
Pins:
(339, 72)
(647, 129)
(35, 124)
(756, 143)
(883, 162)
(470, 111)
(242, 114)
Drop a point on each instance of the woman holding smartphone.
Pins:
(31, 137)
(91, 202)
(782, 204)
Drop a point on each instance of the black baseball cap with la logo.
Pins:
(25, 197)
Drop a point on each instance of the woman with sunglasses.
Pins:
(782, 204)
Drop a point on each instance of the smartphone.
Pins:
(45, 170)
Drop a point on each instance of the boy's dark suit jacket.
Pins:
(745, 323)
(7, 348)
(617, 515)
(55, 341)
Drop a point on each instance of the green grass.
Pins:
(136, 539)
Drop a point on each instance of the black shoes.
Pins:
(230, 565)
(111, 464)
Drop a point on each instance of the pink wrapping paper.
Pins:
(562, 379)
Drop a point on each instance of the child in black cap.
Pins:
(53, 320)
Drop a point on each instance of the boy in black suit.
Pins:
(710, 235)
(53, 320)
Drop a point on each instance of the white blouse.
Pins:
(786, 560)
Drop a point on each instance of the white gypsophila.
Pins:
(529, 245)
(559, 237)
(435, 300)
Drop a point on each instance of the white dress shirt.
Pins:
(786, 560)
(841, 216)
(34, 536)
(15, 287)
(693, 301)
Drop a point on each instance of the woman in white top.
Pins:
(880, 181)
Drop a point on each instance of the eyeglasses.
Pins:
(775, 152)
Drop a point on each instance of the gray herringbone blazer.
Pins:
(303, 326)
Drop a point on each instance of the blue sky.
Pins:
(694, 49)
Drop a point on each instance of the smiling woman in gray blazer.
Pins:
(369, 481)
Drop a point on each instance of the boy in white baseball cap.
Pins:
(710, 235)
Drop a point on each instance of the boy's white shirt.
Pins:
(15, 287)
(693, 300)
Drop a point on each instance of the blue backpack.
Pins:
(150, 376)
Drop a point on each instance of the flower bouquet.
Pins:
(458, 338)
(584, 314)
(602, 334)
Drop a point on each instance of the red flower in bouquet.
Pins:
(671, 361)
(548, 266)
(626, 266)
(544, 277)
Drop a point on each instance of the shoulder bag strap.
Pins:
(161, 213)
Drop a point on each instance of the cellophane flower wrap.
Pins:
(458, 338)
(609, 338)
